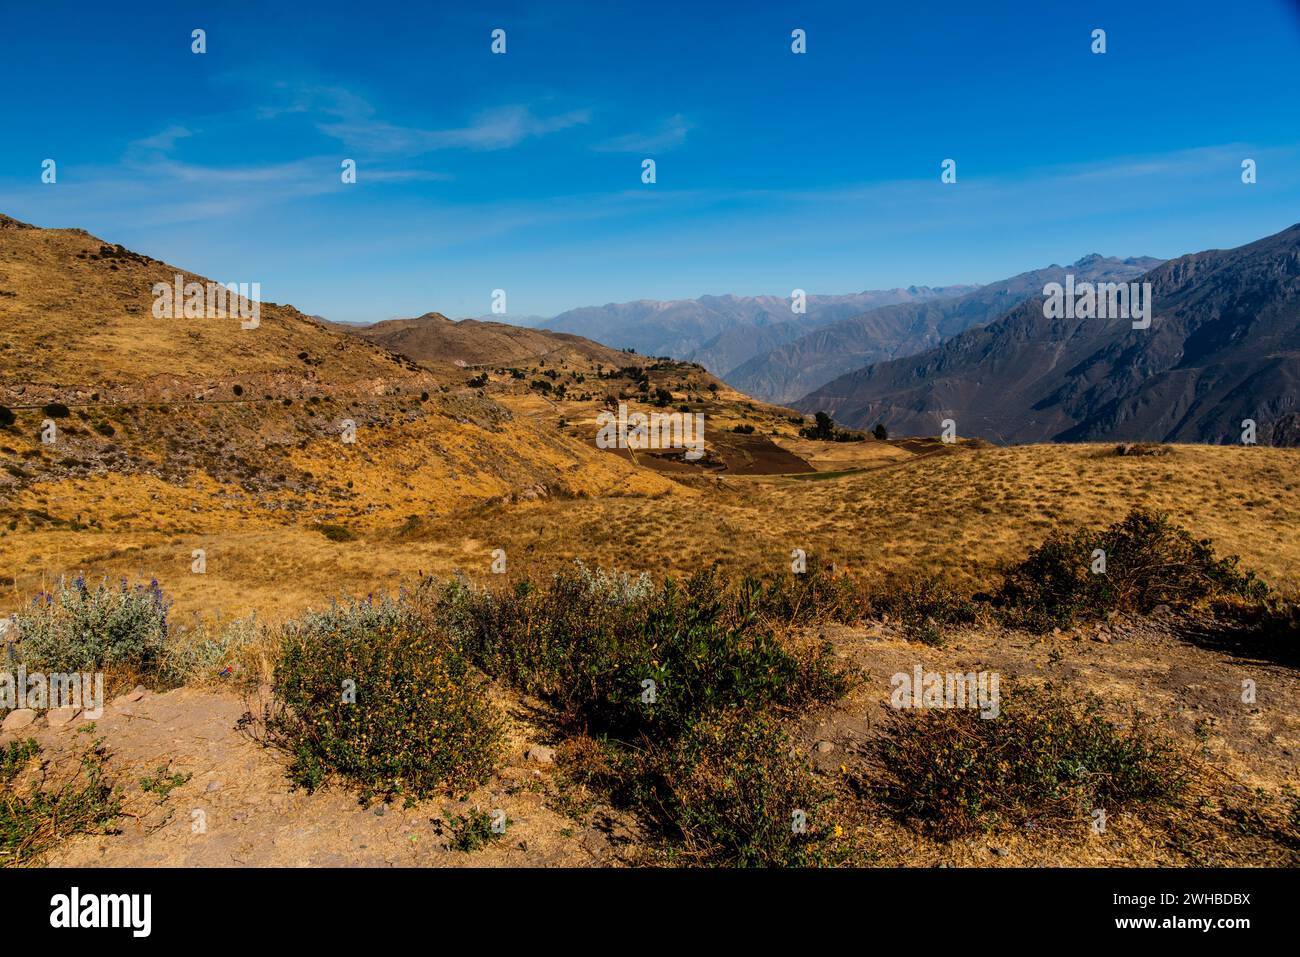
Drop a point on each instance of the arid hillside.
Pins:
(472, 342)
(77, 321)
(113, 419)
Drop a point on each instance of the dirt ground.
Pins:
(251, 816)
(237, 808)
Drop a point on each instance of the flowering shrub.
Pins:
(77, 628)
(364, 692)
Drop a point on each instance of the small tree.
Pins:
(880, 432)
(824, 428)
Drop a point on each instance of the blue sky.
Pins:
(523, 171)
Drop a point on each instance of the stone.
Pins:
(541, 754)
(61, 717)
(18, 719)
(824, 747)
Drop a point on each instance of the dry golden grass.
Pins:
(48, 338)
(961, 515)
(840, 456)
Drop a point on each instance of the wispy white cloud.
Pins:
(670, 134)
(494, 129)
(352, 120)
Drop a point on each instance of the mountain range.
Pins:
(1223, 347)
(800, 366)
(722, 332)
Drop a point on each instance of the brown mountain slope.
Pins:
(473, 342)
(76, 318)
(1223, 346)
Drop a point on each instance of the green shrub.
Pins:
(732, 790)
(14, 757)
(471, 831)
(673, 696)
(56, 410)
(599, 647)
(1046, 758)
(37, 818)
(1149, 562)
(77, 628)
(926, 607)
(7, 417)
(420, 723)
(161, 783)
(817, 594)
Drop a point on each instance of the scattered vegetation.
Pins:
(470, 832)
(336, 533)
(926, 607)
(823, 429)
(677, 690)
(1148, 562)
(819, 593)
(735, 794)
(619, 656)
(212, 651)
(161, 783)
(1143, 448)
(1048, 758)
(37, 811)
